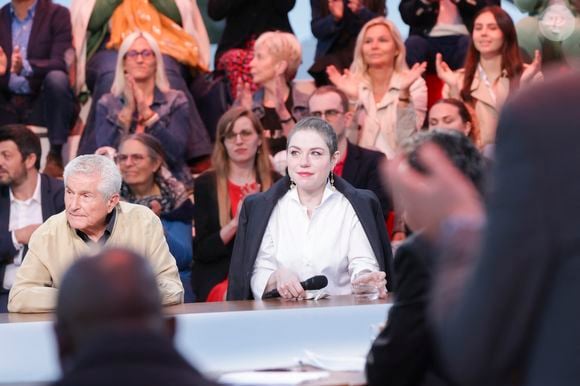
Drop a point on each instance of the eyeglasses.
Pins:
(245, 134)
(136, 158)
(145, 54)
(328, 114)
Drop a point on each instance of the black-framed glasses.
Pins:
(145, 54)
(328, 114)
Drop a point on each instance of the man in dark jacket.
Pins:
(27, 199)
(35, 39)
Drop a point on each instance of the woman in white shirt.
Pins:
(309, 223)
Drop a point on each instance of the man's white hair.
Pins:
(96, 165)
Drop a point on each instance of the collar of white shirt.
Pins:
(328, 192)
(36, 196)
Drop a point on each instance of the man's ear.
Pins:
(348, 118)
(113, 201)
(30, 160)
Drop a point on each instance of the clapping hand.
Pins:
(16, 61)
(532, 69)
(411, 75)
(346, 81)
(355, 5)
(336, 9)
(446, 74)
(244, 95)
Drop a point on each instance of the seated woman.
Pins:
(276, 103)
(453, 115)
(387, 93)
(241, 166)
(141, 101)
(147, 181)
(309, 223)
(99, 27)
(493, 69)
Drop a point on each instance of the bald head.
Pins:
(111, 291)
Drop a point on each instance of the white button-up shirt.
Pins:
(331, 242)
(22, 213)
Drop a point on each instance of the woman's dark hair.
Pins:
(154, 148)
(511, 60)
(321, 127)
(27, 142)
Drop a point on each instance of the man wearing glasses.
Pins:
(359, 166)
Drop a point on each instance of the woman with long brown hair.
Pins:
(241, 166)
(493, 69)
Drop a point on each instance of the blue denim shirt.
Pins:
(173, 128)
(18, 84)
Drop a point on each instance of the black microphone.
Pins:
(314, 283)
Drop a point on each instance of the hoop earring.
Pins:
(331, 178)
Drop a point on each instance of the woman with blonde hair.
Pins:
(241, 166)
(385, 90)
(141, 101)
(277, 103)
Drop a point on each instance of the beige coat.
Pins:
(379, 121)
(54, 246)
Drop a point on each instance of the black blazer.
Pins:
(362, 170)
(52, 202)
(50, 38)
(404, 352)
(422, 16)
(255, 216)
(247, 18)
(516, 321)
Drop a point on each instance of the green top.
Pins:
(98, 23)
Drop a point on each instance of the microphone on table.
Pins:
(314, 283)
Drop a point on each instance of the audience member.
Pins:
(276, 103)
(335, 24)
(502, 308)
(141, 101)
(34, 85)
(451, 114)
(309, 223)
(110, 328)
(357, 165)
(553, 28)
(146, 181)
(27, 199)
(241, 166)
(386, 91)
(99, 28)
(245, 20)
(404, 352)
(93, 219)
(440, 26)
(493, 69)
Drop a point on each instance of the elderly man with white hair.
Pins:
(93, 220)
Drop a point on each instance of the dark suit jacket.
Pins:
(50, 37)
(254, 218)
(362, 170)
(131, 358)
(404, 353)
(516, 322)
(422, 16)
(52, 201)
(247, 18)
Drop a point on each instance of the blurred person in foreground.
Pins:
(503, 308)
(110, 328)
(93, 219)
(404, 352)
